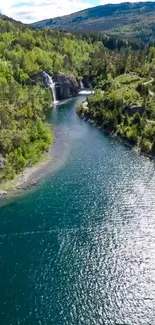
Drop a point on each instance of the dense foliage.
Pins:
(24, 54)
(23, 134)
(125, 107)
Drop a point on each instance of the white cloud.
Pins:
(34, 10)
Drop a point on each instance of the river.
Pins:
(80, 248)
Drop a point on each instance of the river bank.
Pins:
(52, 161)
(107, 131)
(30, 176)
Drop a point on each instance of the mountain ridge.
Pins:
(128, 19)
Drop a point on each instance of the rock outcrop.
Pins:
(66, 86)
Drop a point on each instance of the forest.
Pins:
(24, 54)
(118, 70)
(124, 106)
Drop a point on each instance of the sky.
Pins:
(29, 11)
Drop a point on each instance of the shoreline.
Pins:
(29, 177)
(121, 139)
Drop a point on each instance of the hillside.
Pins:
(128, 19)
(24, 54)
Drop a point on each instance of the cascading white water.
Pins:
(49, 81)
(81, 85)
(84, 91)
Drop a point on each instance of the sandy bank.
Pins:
(30, 176)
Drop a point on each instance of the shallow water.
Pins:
(80, 249)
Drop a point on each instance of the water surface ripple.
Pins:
(80, 249)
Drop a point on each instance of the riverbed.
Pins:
(80, 247)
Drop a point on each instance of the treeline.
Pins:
(114, 42)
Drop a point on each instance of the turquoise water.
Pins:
(80, 248)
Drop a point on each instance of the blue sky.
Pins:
(34, 10)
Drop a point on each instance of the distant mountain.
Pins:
(126, 19)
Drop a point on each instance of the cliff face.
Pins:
(66, 86)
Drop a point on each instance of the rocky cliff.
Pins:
(66, 86)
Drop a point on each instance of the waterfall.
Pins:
(81, 85)
(50, 83)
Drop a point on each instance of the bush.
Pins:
(145, 145)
